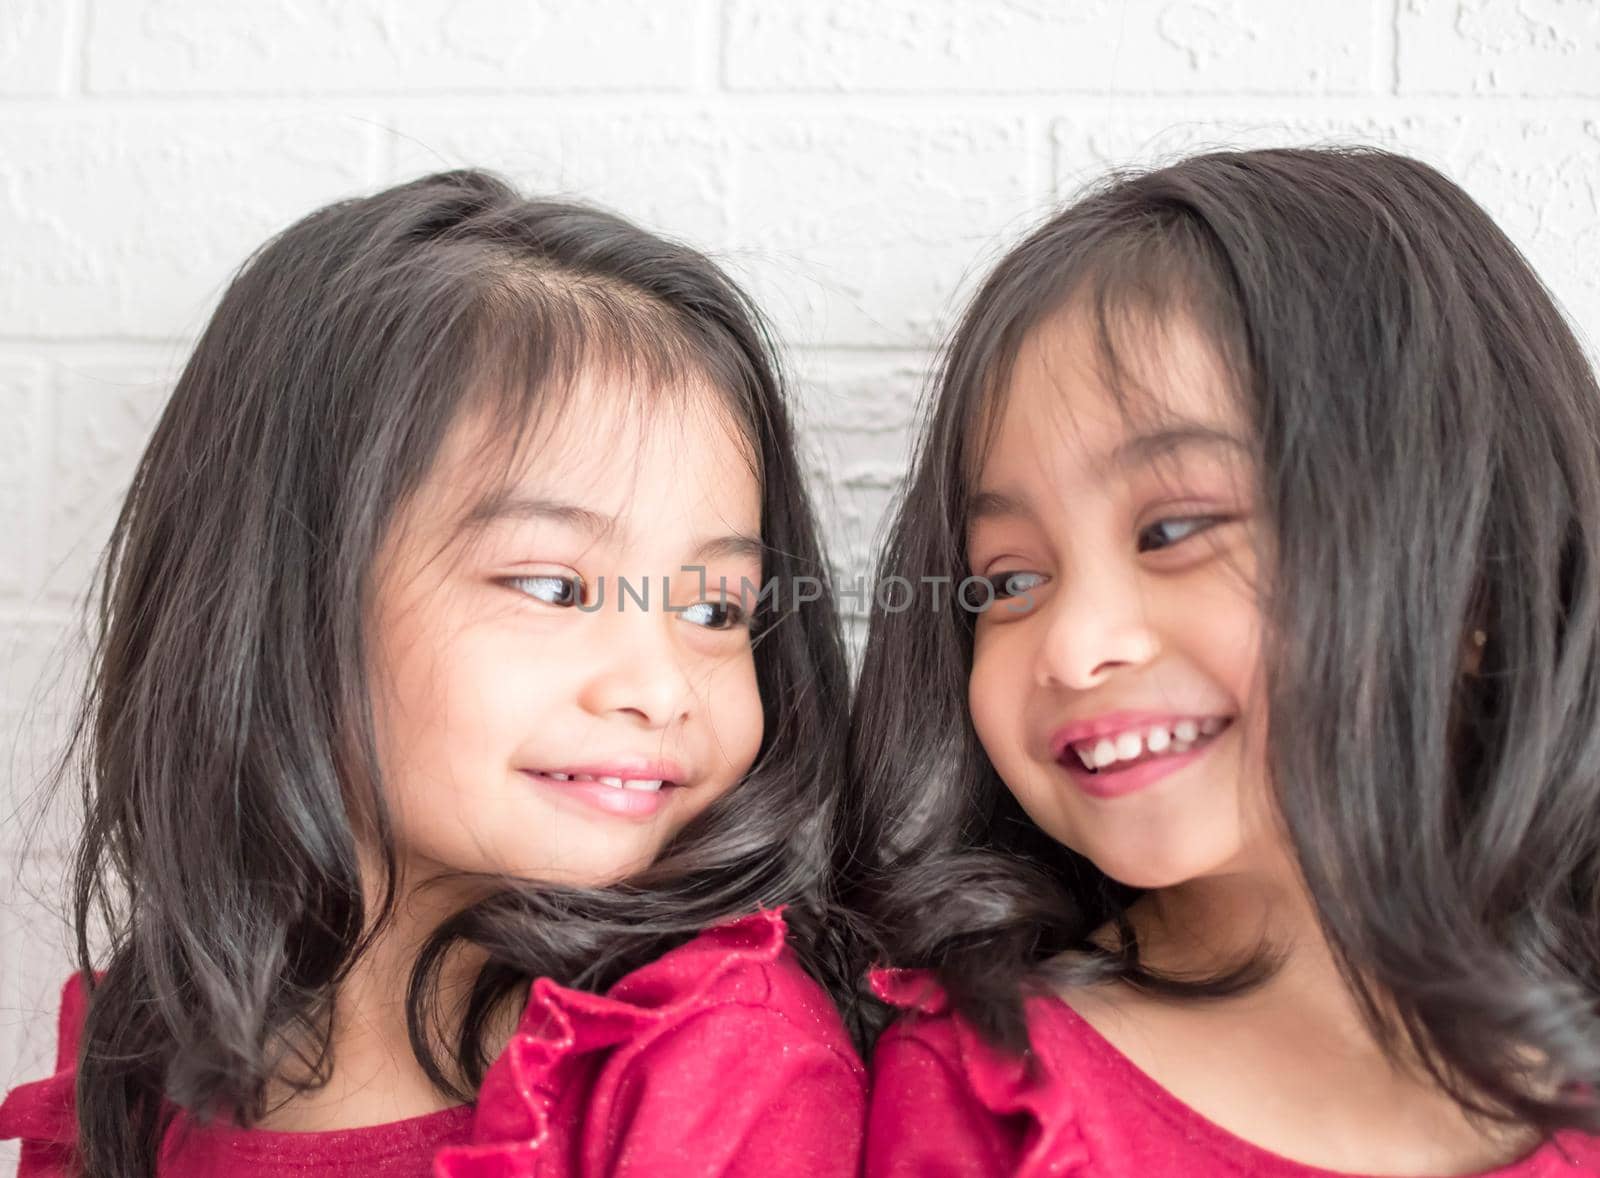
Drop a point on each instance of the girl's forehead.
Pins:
(1089, 401)
(592, 433)
(601, 457)
(1116, 370)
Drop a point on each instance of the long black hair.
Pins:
(1427, 435)
(225, 745)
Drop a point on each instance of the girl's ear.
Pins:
(1472, 651)
(1477, 634)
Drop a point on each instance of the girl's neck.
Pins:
(1207, 925)
(1300, 1033)
(375, 1076)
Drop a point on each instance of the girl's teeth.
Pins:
(646, 785)
(1129, 746)
(1105, 753)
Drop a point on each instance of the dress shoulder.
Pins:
(940, 1092)
(42, 1114)
(576, 1086)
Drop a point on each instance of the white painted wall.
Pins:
(858, 162)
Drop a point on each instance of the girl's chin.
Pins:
(1150, 881)
(1140, 867)
(587, 874)
(572, 865)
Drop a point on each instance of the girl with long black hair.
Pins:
(1236, 811)
(441, 715)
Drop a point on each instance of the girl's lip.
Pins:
(1110, 724)
(1116, 783)
(613, 800)
(627, 768)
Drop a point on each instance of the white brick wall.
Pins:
(858, 162)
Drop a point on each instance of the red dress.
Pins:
(43, 1115)
(721, 1058)
(945, 1103)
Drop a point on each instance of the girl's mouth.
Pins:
(620, 797)
(1112, 766)
(647, 784)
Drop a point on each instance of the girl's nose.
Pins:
(1091, 631)
(636, 669)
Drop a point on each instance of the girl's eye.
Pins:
(1015, 584)
(716, 615)
(552, 588)
(1002, 587)
(1164, 533)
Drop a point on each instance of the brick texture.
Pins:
(859, 163)
(1022, 46)
(1509, 47)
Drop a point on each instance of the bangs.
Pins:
(546, 345)
(1131, 287)
(228, 704)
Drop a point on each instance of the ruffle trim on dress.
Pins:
(42, 1110)
(1002, 1083)
(560, 1024)
(45, 1110)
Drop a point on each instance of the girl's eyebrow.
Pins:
(994, 505)
(1135, 451)
(513, 508)
(733, 546)
(1181, 435)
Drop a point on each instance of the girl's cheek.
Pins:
(993, 693)
(735, 711)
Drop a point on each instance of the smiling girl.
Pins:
(1242, 814)
(435, 722)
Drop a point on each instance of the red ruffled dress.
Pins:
(43, 1115)
(720, 1058)
(945, 1103)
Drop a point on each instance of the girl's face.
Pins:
(1114, 679)
(534, 715)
